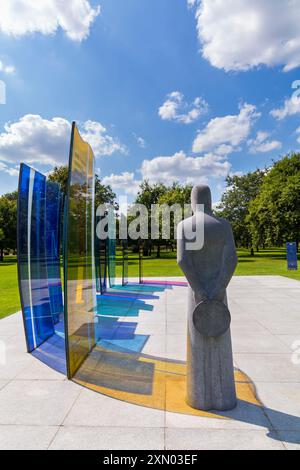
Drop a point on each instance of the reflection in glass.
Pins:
(124, 262)
(53, 218)
(80, 287)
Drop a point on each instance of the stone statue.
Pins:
(210, 373)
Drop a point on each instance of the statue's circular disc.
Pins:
(211, 318)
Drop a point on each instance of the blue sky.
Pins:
(157, 92)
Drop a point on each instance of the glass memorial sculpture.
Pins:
(68, 332)
(79, 244)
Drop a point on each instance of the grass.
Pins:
(9, 291)
(266, 262)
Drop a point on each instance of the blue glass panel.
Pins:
(53, 217)
(32, 263)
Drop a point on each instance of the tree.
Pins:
(8, 223)
(103, 194)
(149, 195)
(234, 206)
(274, 214)
(176, 194)
(60, 175)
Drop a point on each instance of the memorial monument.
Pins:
(208, 269)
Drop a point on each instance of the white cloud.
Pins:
(228, 130)
(33, 139)
(191, 3)
(124, 182)
(10, 171)
(185, 169)
(291, 107)
(298, 132)
(74, 17)
(261, 144)
(7, 69)
(140, 141)
(242, 34)
(101, 143)
(175, 108)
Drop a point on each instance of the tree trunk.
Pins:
(252, 252)
(2, 255)
(158, 250)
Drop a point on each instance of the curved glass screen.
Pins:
(80, 286)
(32, 258)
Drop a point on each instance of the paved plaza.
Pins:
(41, 409)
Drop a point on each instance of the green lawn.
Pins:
(9, 292)
(266, 262)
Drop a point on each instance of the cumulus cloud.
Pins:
(185, 169)
(291, 106)
(242, 34)
(7, 69)
(101, 143)
(33, 139)
(20, 17)
(124, 182)
(228, 130)
(10, 171)
(175, 108)
(261, 144)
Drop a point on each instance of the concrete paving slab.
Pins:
(265, 320)
(244, 416)
(15, 437)
(102, 438)
(92, 409)
(283, 327)
(292, 341)
(39, 371)
(290, 439)
(282, 404)
(220, 439)
(268, 367)
(257, 342)
(37, 402)
(3, 383)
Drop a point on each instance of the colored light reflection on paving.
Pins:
(149, 382)
(118, 368)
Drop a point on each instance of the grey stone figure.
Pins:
(210, 373)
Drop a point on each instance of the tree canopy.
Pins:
(274, 214)
(8, 222)
(234, 206)
(103, 193)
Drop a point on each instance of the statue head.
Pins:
(201, 195)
